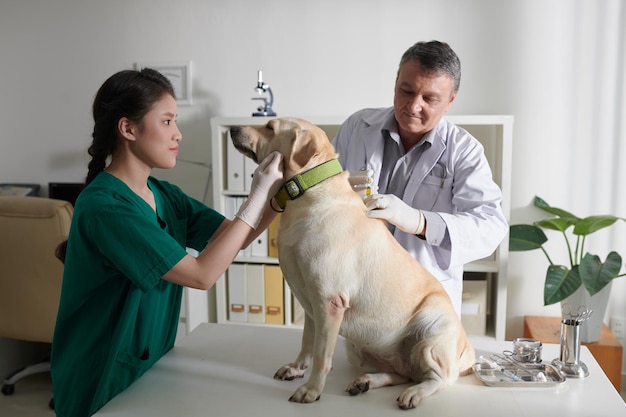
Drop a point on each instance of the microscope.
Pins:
(266, 108)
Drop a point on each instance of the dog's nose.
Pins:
(234, 130)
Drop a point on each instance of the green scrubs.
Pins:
(117, 317)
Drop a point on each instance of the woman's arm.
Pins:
(202, 272)
(232, 235)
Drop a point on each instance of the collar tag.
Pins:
(294, 189)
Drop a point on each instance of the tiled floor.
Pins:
(30, 399)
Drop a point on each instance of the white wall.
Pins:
(556, 65)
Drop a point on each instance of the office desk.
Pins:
(227, 370)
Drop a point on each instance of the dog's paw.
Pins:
(412, 396)
(406, 402)
(359, 385)
(289, 372)
(305, 394)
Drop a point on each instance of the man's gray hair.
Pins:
(437, 57)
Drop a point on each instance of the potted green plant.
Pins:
(586, 273)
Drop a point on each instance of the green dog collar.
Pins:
(296, 186)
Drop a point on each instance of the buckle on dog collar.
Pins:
(296, 186)
(294, 189)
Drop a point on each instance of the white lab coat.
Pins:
(451, 183)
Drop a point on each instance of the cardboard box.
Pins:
(474, 307)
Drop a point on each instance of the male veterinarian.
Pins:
(435, 185)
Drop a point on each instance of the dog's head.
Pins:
(302, 144)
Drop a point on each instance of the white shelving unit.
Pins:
(495, 132)
(220, 142)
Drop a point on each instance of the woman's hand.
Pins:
(266, 181)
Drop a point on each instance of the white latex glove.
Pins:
(363, 183)
(395, 211)
(266, 181)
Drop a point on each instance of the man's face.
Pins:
(420, 100)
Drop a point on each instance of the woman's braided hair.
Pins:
(129, 94)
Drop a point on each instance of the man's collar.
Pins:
(390, 130)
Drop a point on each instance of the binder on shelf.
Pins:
(247, 251)
(255, 289)
(248, 170)
(234, 166)
(237, 293)
(297, 312)
(259, 246)
(230, 207)
(272, 232)
(274, 295)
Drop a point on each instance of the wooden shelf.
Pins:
(607, 351)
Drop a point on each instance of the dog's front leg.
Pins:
(296, 369)
(327, 323)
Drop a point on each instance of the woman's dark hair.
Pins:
(129, 94)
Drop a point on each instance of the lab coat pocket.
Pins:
(440, 182)
(433, 193)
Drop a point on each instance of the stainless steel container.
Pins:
(569, 359)
(527, 350)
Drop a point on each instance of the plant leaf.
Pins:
(560, 283)
(541, 203)
(591, 224)
(524, 237)
(595, 275)
(557, 223)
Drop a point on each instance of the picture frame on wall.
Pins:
(179, 74)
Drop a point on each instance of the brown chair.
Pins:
(31, 228)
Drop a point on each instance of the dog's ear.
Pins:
(303, 149)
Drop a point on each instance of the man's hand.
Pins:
(363, 183)
(397, 212)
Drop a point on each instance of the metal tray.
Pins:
(519, 376)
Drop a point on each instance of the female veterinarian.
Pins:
(125, 259)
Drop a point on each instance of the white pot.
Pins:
(581, 300)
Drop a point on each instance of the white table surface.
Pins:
(227, 370)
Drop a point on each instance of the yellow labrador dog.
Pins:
(353, 278)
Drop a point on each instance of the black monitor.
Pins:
(67, 191)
